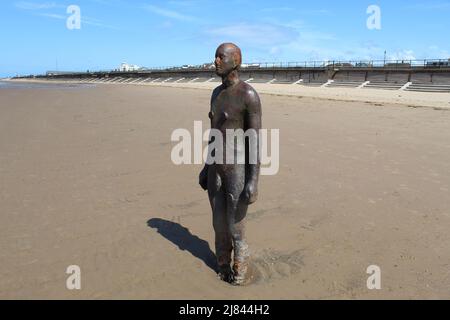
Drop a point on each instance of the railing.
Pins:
(427, 63)
(330, 64)
(396, 64)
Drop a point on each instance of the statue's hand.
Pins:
(251, 192)
(203, 179)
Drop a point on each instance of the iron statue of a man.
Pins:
(232, 187)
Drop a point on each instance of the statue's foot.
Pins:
(238, 281)
(226, 274)
(241, 274)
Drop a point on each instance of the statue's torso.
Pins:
(228, 110)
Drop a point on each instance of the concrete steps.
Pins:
(199, 80)
(313, 83)
(172, 80)
(186, 80)
(128, 80)
(441, 86)
(385, 85)
(148, 80)
(259, 80)
(276, 81)
(429, 87)
(346, 84)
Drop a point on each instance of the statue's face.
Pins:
(225, 60)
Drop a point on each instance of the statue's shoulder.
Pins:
(218, 88)
(216, 92)
(248, 91)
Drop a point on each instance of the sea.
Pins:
(36, 85)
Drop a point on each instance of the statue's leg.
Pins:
(237, 211)
(223, 241)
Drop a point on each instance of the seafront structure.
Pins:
(431, 75)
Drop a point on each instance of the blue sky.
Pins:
(34, 37)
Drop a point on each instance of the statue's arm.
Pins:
(203, 177)
(253, 121)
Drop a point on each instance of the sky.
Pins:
(35, 38)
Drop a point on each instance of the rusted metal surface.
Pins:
(232, 187)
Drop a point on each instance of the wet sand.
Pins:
(434, 100)
(86, 179)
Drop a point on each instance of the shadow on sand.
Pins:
(184, 240)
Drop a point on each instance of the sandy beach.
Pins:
(86, 179)
(439, 101)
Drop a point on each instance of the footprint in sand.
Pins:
(270, 265)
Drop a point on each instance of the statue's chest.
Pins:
(226, 108)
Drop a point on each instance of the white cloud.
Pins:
(402, 55)
(186, 3)
(169, 13)
(318, 12)
(430, 6)
(97, 23)
(265, 35)
(435, 52)
(295, 41)
(25, 5)
(276, 9)
(53, 16)
(84, 20)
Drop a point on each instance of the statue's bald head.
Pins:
(232, 49)
(227, 53)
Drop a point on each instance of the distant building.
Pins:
(438, 63)
(251, 65)
(125, 67)
(60, 73)
(208, 66)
